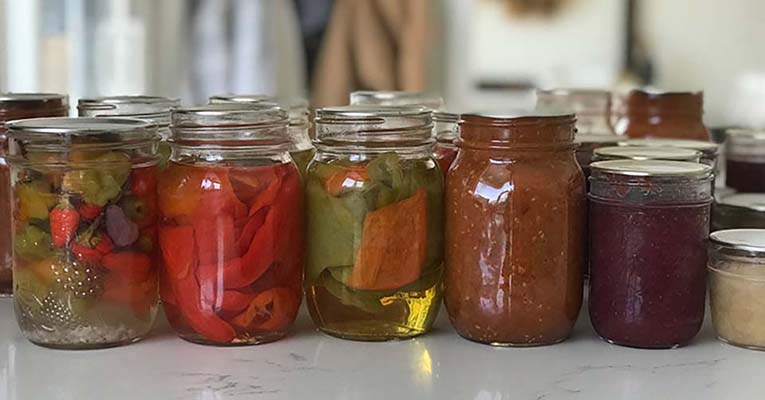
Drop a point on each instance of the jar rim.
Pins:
(29, 97)
(509, 118)
(154, 108)
(397, 98)
(700, 145)
(750, 240)
(374, 126)
(67, 127)
(646, 153)
(229, 115)
(748, 133)
(597, 138)
(651, 168)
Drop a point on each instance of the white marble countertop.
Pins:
(441, 365)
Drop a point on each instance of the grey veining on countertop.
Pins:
(441, 365)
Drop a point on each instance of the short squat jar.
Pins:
(155, 109)
(231, 228)
(374, 199)
(515, 213)
(85, 270)
(591, 106)
(674, 115)
(15, 106)
(745, 160)
(301, 150)
(737, 286)
(649, 221)
(739, 210)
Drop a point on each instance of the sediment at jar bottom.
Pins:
(84, 260)
(231, 240)
(375, 246)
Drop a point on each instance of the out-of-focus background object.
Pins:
(477, 54)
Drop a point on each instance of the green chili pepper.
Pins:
(100, 185)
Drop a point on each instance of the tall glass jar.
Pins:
(745, 160)
(591, 106)
(515, 209)
(150, 108)
(645, 153)
(15, 106)
(231, 228)
(737, 286)
(445, 151)
(85, 271)
(739, 210)
(397, 98)
(649, 221)
(301, 149)
(674, 115)
(375, 223)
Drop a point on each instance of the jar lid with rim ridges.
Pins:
(751, 201)
(516, 117)
(748, 240)
(374, 125)
(32, 103)
(646, 153)
(652, 168)
(397, 98)
(230, 124)
(68, 127)
(587, 138)
(154, 108)
(297, 108)
(707, 148)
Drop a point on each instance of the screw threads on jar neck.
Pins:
(510, 132)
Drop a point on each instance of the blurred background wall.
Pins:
(476, 53)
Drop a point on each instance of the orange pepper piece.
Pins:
(177, 243)
(393, 245)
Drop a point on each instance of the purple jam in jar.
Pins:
(745, 160)
(649, 221)
(744, 176)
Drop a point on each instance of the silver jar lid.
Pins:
(749, 134)
(751, 201)
(748, 240)
(706, 148)
(65, 127)
(646, 153)
(397, 98)
(652, 168)
(154, 108)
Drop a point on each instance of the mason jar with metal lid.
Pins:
(84, 232)
(14, 106)
(374, 198)
(739, 210)
(737, 286)
(397, 98)
(676, 115)
(231, 228)
(302, 150)
(649, 221)
(591, 106)
(745, 160)
(155, 109)
(645, 153)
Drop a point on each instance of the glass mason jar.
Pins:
(674, 115)
(649, 221)
(515, 209)
(397, 98)
(592, 108)
(739, 210)
(85, 271)
(15, 106)
(737, 286)
(150, 108)
(645, 153)
(231, 228)
(445, 151)
(745, 160)
(375, 223)
(301, 150)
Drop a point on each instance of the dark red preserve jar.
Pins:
(676, 115)
(18, 106)
(649, 221)
(745, 160)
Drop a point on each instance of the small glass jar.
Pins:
(745, 160)
(231, 228)
(649, 221)
(445, 151)
(737, 286)
(645, 153)
(15, 106)
(675, 115)
(397, 98)
(592, 108)
(739, 210)
(301, 149)
(85, 271)
(515, 210)
(375, 223)
(150, 108)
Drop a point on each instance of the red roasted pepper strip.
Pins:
(235, 301)
(215, 238)
(177, 245)
(129, 265)
(267, 196)
(254, 223)
(86, 254)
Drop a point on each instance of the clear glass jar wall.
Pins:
(592, 108)
(231, 227)
(85, 230)
(375, 223)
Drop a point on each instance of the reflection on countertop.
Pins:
(440, 365)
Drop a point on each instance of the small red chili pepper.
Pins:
(90, 211)
(143, 182)
(63, 223)
(86, 254)
(105, 244)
